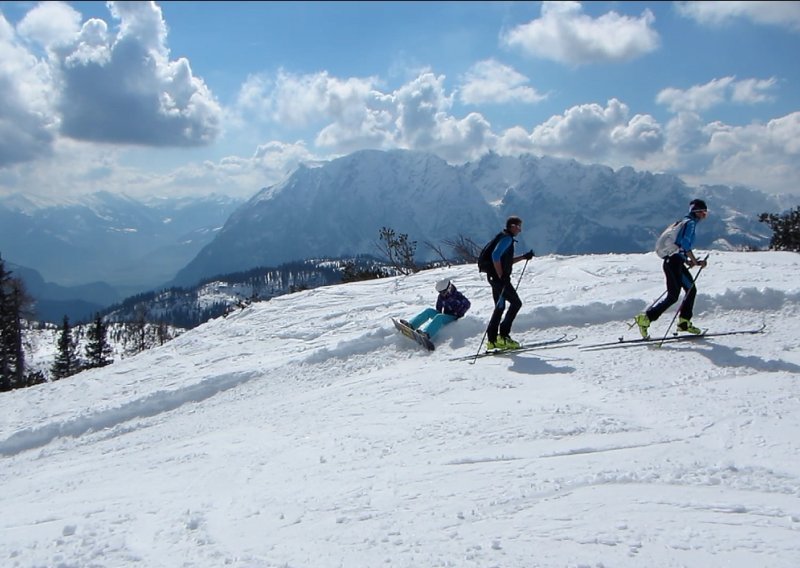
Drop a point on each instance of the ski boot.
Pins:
(686, 326)
(509, 343)
(644, 325)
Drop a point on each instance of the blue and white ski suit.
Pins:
(678, 275)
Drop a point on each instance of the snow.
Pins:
(305, 431)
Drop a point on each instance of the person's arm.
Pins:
(527, 256)
(685, 240)
(693, 260)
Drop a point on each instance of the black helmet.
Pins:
(697, 205)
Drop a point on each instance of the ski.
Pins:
(674, 338)
(415, 335)
(543, 344)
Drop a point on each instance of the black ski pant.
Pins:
(502, 292)
(678, 277)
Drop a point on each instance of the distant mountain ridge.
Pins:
(53, 302)
(338, 208)
(128, 244)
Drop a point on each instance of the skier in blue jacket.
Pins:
(678, 258)
(499, 277)
(450, 306)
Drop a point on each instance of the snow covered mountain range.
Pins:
(338, 208)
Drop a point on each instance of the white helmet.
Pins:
(443, 285)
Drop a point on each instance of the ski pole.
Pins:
(500, 302)
(657, 300)
(694, 280)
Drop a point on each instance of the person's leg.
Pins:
(432, 326)
(687, 283)
(422, 317)
(673, 266)
(498, 295)
(514, 306)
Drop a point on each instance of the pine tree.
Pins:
(139, 326)
(6, 364)
(786, 229)
(162, 332)
(398, 250)
(98, 349)
(14, 303)
(19, 302)
(66, 362)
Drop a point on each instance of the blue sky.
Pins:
(177, 98)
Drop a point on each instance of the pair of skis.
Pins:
(674, 338)
(621, 342)
(424, 341)
(542, 344)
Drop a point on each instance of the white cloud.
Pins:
(763, 156)
(490, 81)
(27, 120)
(350, 114)
(424, 122)
(144, 22)
(299, 100)
(50, 24)
(751, 91)
(354, 114)
(422, 104)
(96, 86)
(637, 138)
(717, 91)
(696, 98)
(759, 155)
(124, 89)
(594, 132)
(91, 46)
(72, 167)
(236, 176)
(782, 14)
(684, 148)
(566, 35)
(367, 126)
(514, 141)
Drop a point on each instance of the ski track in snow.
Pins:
(305, 431)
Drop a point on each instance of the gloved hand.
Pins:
(528, 255)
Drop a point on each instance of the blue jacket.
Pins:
(504, 252)
(685, 237)
(452, 302)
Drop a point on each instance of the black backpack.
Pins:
(485, 263)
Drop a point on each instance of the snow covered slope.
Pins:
(305, 431)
